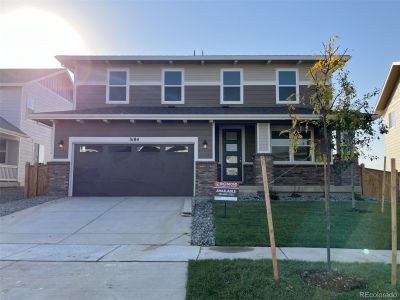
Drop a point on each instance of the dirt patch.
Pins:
(332, 281)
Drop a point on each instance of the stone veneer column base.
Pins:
(206, 175)
(58, 178)
(258, 180)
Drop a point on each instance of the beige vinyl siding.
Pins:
(65, 129)
(60, 84)
(96, 72)
(392, 139)
(10, 104)
(45, 99)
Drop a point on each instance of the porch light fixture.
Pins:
(205, 145)
(61, 144)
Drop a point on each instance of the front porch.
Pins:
(8, 161)
(239, 145)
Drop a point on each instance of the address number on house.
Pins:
(226, 191)
(134, 139)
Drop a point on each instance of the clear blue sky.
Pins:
(369, 29)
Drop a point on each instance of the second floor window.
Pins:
(231, 87)
(172, 91)
(392, 119)
(287, 88)
(117, 87)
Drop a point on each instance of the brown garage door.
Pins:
(133, 170)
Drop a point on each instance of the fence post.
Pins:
(383, 184)
(393, 189)
(26, 189)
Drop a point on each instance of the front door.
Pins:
(232, 154)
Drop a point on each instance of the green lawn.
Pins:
(249, 279)
(302, 224)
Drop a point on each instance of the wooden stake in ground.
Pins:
(383, 184)
(269, 218)
(393, 189)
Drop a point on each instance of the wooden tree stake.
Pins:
(269, 218)
(383, 184)
(393, 188)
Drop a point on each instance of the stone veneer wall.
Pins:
(248, 174)
(206, 175)
(257, 168)
(58, 178)
(300, 175)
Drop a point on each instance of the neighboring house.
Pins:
(173, 125)
(23, 140)
(388, 106)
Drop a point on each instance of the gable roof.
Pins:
(21, 76)
(8, 128)
(387, 90)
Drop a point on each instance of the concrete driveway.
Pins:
(96, 248)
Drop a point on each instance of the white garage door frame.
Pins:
(131, 140)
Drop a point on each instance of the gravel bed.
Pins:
(203, 228)
(9, 207)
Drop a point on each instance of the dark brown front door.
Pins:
(133, 170)
(232, 154)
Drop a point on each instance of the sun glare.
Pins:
(31, 37)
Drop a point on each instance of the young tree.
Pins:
(340, 114)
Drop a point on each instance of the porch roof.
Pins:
(177, 113)
(8, 128)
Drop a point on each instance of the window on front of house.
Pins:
(117, 87)
(38, 153)
(281, 150)
(3, 151)
(392, 119)
(173, 87)
(287, 88)
(231, 87)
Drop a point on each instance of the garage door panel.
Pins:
(133, 170)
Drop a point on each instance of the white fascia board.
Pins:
(170, 117)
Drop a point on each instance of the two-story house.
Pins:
(173, 125)
(22, 140)
(388, 106)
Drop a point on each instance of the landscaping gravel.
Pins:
(9, 207)
(203, 228)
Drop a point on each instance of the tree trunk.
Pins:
(353, 196)
(327, 177)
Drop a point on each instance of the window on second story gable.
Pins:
(287, 87)
(117, 87)
(392, 119)
(173, 89)
(231, 87)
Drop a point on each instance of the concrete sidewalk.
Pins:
(177, 253)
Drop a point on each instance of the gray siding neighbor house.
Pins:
(173, 125)
(22, 140)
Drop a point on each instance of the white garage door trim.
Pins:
(130, 140)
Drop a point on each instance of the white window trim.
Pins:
(258, 139)
(297, 100)
(221, 96)
(182, 86)
(392, 124)
(291, 160)
(126, 101)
